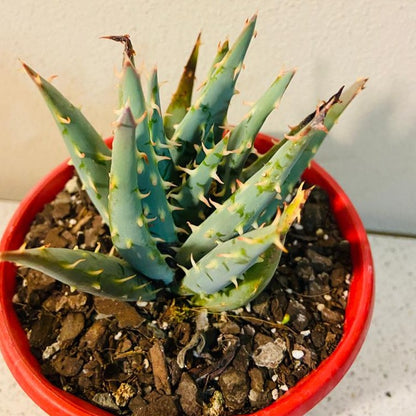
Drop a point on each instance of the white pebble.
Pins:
(283, 387)
(297, 226)
(327, 297)
(297, 354)
(142, 304)
(99, 316)
(320, 307)
(325, 237)
(253, 396)
(146, 364)
(72, 185)
(72, 222)
(305, 333)
(275, 394)
(274, 378)
(202, 321)
(51, 350)
(248, 307)
(118, 335)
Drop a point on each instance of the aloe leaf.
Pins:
(340, 100)
(89, 154)
(242, 136)
(193, 194)
(128, 225)
(151, 184)
(218, 128)
(344, 99)
(157, 131)
(94, 273)
(212, 105)
(253, 282)
(228, 261)
(222, 50)
(182, 98)
(267, 185)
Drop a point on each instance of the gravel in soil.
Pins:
(165, 357)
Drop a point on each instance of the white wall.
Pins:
(371, 152)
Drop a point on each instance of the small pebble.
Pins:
(275, 394)
(327, 297)
(320, 307)
(141, 304)
(283, 387)
(72, 185)
(297, 354)
(105, 400)
(305, 333)
(100, 316)
(275, 377)
(51, 350)
(118, 335)
(271, 354)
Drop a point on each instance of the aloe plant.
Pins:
(181, 181)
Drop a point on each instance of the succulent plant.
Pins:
(186, 206)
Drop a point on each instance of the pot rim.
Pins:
(295, 402)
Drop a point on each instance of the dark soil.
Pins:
(167, 358)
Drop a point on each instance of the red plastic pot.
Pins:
(297, 401)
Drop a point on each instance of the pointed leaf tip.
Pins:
(126, 118)
(32, 73)
(252, 18)
(125, 40)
